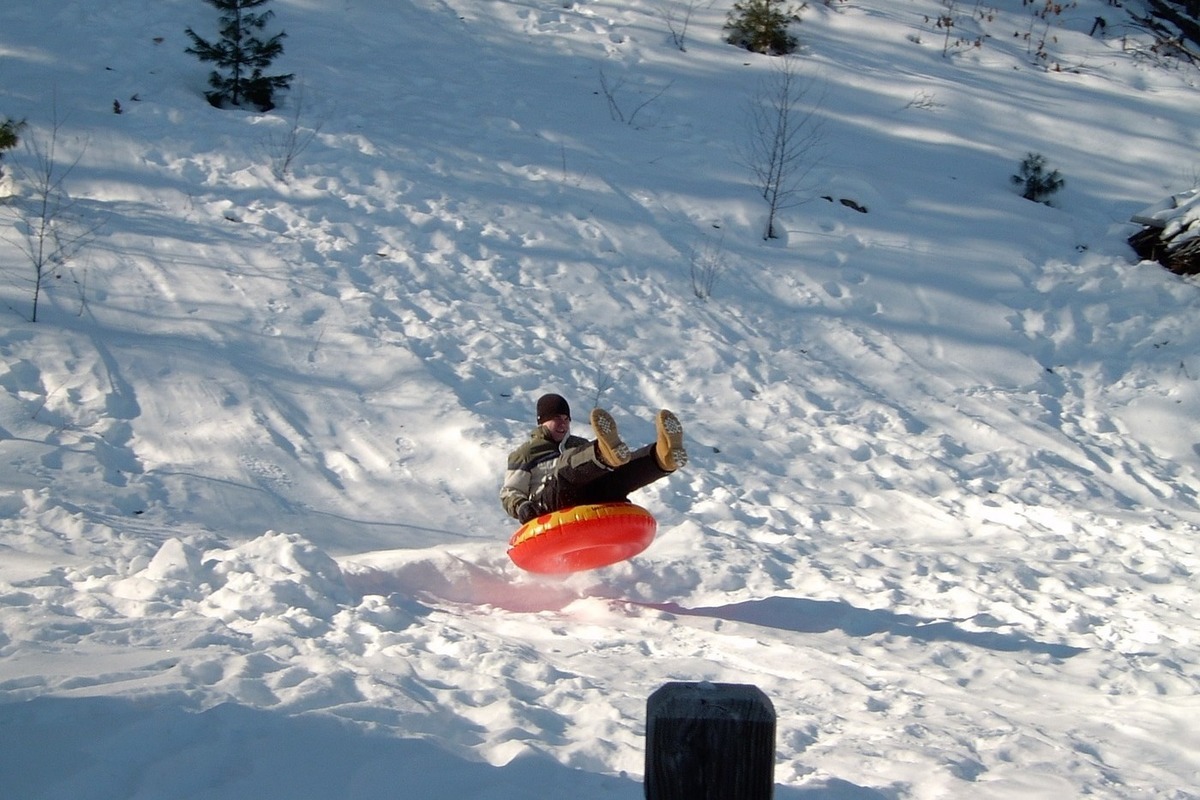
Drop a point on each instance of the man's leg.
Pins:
(615, 486)
(584, 475)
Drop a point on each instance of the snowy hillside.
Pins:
(942, 505)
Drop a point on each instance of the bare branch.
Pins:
(707, 264)
(48, 229)
(678, 16)
(283, 149)
(614, 108)
(785, 138)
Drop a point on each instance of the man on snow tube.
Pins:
(555, 470)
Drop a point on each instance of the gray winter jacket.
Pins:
(531, 466)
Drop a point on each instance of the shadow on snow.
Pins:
(821, 616)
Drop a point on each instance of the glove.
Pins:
(526, 511)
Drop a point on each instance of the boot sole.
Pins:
(670, 432)
(613, 451)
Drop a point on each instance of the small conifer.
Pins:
(242, 55)
(1037, 184)
(9, 137)
(761, 26)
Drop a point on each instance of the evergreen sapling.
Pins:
(243, 56)
(761, 26)
(9, 137)
(1036, 182)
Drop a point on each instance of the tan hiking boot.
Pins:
(669, 447)
(613, 452)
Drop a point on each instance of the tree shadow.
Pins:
(107, 748)
(160, 748)
(821, 616)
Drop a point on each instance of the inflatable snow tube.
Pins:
(582, 537)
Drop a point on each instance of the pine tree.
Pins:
(761, 26)
(9, 137)
(8, 134)
(1038, 184)
(242, 55)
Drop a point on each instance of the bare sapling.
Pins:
(48, 228)
(785, 138)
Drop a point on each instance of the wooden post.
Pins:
(709, 741)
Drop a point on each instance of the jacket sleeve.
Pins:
(517, 485)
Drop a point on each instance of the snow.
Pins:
(942, 505)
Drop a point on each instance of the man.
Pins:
(555, 469)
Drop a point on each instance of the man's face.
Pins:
(558, 427)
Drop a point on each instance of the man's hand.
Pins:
(526, 511)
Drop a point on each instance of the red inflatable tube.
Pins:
(582, 537)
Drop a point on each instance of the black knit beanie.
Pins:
(551, 405)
